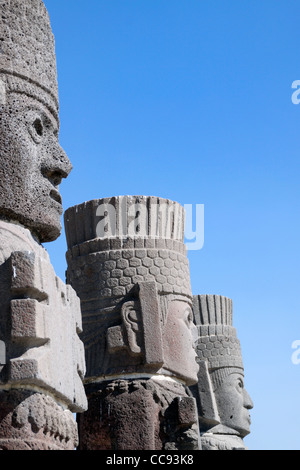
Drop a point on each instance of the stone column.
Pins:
(128, 264)
(223, 402)
(41, 355)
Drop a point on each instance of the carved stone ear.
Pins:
(132, 322)
(140, 332)
(128, 335)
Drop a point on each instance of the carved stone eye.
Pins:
(38, 127)
(240, 385)
(35, 126)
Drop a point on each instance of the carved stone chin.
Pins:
(215, 441)
(234, 404)
(32, 166)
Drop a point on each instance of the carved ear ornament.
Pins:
(140, 331)
(205, 397)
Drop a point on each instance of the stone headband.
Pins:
(218, 344)
(27, 59)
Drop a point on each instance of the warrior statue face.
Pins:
(32, 165)
(179, 338)
(169, 337)
(234, 404)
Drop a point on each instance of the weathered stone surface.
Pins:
(139, 414)
(32, 163)
(27, 46)
(115, 277)
(116, 219)
(34, 421)
(40, 321)
(41, 355)
(2, 353)
(221, 441)
(223, 402)
(128, 264)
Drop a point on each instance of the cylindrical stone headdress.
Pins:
(116, 243)
(27, 56)
(129, 240)
(218, 353)
(218, 344)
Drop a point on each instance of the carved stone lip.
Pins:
(54, 194)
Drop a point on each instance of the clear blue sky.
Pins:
(191, 100)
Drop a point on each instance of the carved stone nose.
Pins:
(57, 167)
(248, 403)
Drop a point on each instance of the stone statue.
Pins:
(41, 355)
(127, 263)
(223, 401)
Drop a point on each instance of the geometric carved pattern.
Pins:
(114, 273)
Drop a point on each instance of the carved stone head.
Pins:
(128, 265)
(223, 401)
(32, 163)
